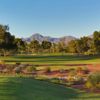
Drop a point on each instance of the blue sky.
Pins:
(51, 17)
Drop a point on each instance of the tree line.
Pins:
(9, 44)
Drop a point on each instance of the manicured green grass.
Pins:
(52, 59)
(16, 88)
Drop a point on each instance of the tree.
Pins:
(20, 45)
(28, 48)
(2, 34)
(46, 45)
(81, 46)
(54, 48)
(6, 40)
(85, 43)
(72, 46)
(61, 47)
(35, 46)
(96, 41)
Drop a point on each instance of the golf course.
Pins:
(49, 49)
(15, 88)
(27, 88)
(52, 59)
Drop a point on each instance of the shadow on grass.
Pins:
(56, 57)
(30, 89)
(50, 59)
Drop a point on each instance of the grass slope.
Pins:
(52, 59)
(14, 88)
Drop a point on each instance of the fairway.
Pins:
(49, 50)
(14, 88)
(52, 59)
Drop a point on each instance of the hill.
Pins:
(40, 38)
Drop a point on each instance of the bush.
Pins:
(55, 80)
(31, 68)
(89, 85)
(17, 70)
(78, 80)
(2, 62)
(48, 70)
(93, 81)
(10, 68)
(86, 70)
(69, 84)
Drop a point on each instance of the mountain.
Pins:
(90, 36)
(40, 38)
(67, 39)
(36, 36)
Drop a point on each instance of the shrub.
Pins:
(79, 80)
(48, 70)
(2, 62)
(86, 70)
(31, 68)
(93, 81)
(89, 85)
(17, 70)
(79, 69)
(55, 80)
(10, 68)
(69, 84)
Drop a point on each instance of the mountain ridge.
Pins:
(41, 38)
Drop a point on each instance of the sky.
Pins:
(54, 18)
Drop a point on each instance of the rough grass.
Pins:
(52, 59)
(14, 88)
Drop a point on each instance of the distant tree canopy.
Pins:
(34, 46)
(96, 41)
(6, 39)
(84, 45)
(20, 45)
(46, 45)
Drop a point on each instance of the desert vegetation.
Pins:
(49, 71)
(9, 44)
